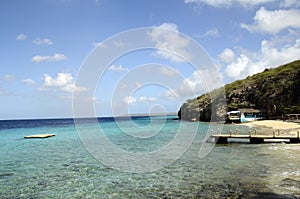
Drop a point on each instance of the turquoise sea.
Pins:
(62, 167)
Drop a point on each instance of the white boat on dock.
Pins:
(244, 115)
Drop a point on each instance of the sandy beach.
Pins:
(268, 126)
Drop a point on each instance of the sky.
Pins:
(47, 44)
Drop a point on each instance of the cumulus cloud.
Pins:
(169, 72)
(28, 82)
(129, 100)
(191, 85)
(147, 99)
(272, 22)
(143, 99)
(63, 82)
(170, 94)
(21, 37)
(171, 45)
(237, 68)
(272, 54)
(70, 88)
(227, 55)
(55, 57)
(118, 69)
(39, 41)
(62, 79)
(290, 3)
(201, 81)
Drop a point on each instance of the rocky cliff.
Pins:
(275, 91)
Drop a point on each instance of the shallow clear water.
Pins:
(61, 167)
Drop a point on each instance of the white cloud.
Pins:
(138, 85)
(171, 45)
(227, 55)
(99, 44)
(147, 99)
(270, 55)
(290, 3)
(201, 81)
(129, 100)
(191, 85)
(116, 43)
(237, 68)
(28, 82)
(55, 57)
(9, 77)
(274, 56)
(118, 69)
(170, 94)
(215, 3)
(143, 99)
(39, 41)
(214, 32)
(70, 88)
(230, 3)
(245, 3)
(21, 37)
(92, 99)
(272, 22)
(63, 81)
(124, 86)
(169, 72)
(119, 44)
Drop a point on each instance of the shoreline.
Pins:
(266, 127)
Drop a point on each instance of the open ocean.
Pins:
(61, 167)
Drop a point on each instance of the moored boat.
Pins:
(244, 115)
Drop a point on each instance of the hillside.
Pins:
(275, 91)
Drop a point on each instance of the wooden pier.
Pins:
(256, 139)
(293, 117)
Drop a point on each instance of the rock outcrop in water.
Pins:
(275, 91)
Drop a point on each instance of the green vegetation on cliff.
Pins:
(275, 91)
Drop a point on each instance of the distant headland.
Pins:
(274, 91)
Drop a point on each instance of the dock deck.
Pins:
(255, 139)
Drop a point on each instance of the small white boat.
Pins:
(233, 117)
(249, 115)
(244, 115)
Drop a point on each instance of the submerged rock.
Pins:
(288, 182)
(6, 174)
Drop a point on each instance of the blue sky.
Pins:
(45, 43)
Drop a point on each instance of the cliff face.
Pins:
(274, 91)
